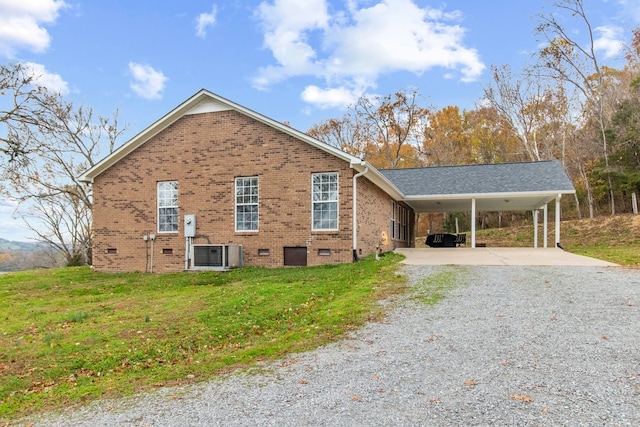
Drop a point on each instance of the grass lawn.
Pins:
(72, 335)
(68, 336)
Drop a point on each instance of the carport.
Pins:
(497, 187)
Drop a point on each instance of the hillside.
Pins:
(615, 239)
(7, 245)
(15, 256)
(620, 230)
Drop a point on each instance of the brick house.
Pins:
(213, 184)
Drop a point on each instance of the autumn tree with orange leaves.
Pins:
(385, 131)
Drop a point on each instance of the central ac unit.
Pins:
(216, 256)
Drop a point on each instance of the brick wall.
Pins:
(374, 221)
(204, 153)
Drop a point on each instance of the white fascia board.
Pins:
(523, 194)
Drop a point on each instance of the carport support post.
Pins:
(558, 219)
(535, 228)
(545, 211)
(473, 223)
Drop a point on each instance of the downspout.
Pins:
(355, 212)
(187, 252)
(152, 237)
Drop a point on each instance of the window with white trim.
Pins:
(324, 211)
(167, 206)
(247, 203)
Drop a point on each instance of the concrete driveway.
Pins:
(497, 256)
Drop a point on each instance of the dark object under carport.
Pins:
(445, 240)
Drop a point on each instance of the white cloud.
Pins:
(41, 77)
(352, 48)
(147, 82)
(8, 206)
(21, 24)
(206, 20)
(287, 25)
(609, 40)
(329, 98)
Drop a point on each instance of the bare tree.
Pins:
(63, 222)
(518, 99)
(54, 146)
(576, 63)
(22, 102)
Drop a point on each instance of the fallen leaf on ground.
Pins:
(288, 362)
(522, 397)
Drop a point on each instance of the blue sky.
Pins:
(300, 61)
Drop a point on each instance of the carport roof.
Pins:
(495, 187)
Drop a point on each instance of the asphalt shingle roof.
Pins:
(546, 176)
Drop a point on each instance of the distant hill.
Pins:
(15, 256)
(11, 246)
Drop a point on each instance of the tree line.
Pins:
(46, 144)
(565, 104)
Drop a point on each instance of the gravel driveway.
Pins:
(512, 345)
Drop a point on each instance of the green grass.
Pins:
(68, 336)
(433, 288)
(72, 335)
(628, 256)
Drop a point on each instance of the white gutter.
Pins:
(355, 211)
(510, 195)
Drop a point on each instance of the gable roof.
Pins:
(496, 187)
(204, 101)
